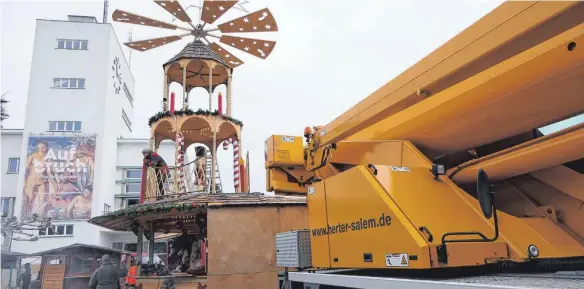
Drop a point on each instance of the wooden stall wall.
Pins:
(242, 244)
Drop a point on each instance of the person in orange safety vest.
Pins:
(131, 277)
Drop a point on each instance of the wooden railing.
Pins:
(162, 183)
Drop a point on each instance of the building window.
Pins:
(82, 264)
(57, 230)
(132, 202)
(86, 19)
(133, 174)
(126, 119)
(133, 188)
(132, 247)
(72, 44)
(13, 164)
(69, 83)
(64, 126)
(7, 209)
(118, 245)
(128, 95)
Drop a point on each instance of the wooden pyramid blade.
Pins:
(213, 9)
(174, 8)
(256, 47)
(127, 17)
(143, 45)
(259, 21)
(228, 57)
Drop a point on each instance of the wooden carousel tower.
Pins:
(196, 66)
(205, 64)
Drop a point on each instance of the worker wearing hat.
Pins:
(107, 276)
(154, 160)
(26, 277)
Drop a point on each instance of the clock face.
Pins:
(117, 75)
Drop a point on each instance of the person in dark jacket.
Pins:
(107, 276)
(154, 160)
(26, 276)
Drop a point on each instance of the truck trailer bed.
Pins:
(339, 279)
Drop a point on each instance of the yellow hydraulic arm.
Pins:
(508, 30)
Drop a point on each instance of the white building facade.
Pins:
(77, 138)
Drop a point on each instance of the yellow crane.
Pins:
(444, 166)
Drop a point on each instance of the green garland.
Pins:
(163, 114)
(139, 211)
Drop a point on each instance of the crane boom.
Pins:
(507, 31)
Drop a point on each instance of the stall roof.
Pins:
(12, 254)
(9, 257)
(79, 246)
(122, 220)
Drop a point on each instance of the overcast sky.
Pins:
(329, 55)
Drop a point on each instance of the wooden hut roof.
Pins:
(78, 246)
(122, 220)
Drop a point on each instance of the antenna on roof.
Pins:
(105, 6)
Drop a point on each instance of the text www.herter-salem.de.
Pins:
(361, 224)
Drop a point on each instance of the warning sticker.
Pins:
(400, 169)
(397, 260)
(288, 138)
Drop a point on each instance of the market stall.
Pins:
(224, 240)
(71, 267)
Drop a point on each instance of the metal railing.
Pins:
(175, 181)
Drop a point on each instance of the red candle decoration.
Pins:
(220, 103)
(172, 102)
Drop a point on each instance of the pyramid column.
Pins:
(184, 65)
(165, 90)
(214, 147)
(229, 92)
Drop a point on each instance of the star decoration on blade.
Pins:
(258, 21)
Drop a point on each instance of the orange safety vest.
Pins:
(131, 274)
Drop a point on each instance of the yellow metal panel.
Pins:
(562, 147)
(559, 207)
(282, 150)
(316, 201)
(362, 219)
(564, 179)
(277, 181)
(496, 103)
(269, 185)
(412, 157)
(432, 203)
(371, 152)
(422, 198)
(519, 233)
(508, 21)
(472, 254)
(556, 242)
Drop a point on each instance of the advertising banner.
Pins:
(58, 181)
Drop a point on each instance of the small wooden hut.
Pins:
(71, 267)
